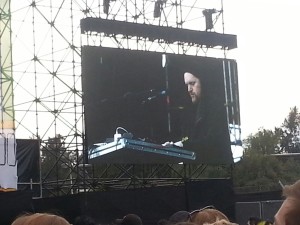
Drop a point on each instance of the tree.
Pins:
(257, 172)
(290, 133)
(57, 165)
(264, 142)
(259, 169)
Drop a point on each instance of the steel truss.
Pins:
(46, 44)
(183, 14)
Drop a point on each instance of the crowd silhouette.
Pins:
(287, 214)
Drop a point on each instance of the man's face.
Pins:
(194, 87)
(282, 214)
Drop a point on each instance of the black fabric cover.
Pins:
(28, 158)
(151, 204)
(13, 204)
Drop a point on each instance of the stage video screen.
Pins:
(161, 101)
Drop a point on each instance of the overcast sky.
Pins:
(268, 34)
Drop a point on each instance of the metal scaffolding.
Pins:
(46, 49)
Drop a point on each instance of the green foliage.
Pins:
(290, 132)
(264, 142)
(263, 173)
(257, 172)
(261, 170)
(290, 171)
(217, 171)
(56, 161)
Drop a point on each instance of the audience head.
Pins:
(40, 219)
(84, 220)
(185, 223)
(258, 221)
(222, 222)
(180, 216)
(289, 212)
(253, 220)
(207, 216)
(129, 219)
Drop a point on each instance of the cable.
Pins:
(118, 128)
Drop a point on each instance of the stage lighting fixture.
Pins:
(158, 8)
(106, 6)
(163, 60)
(208, 18)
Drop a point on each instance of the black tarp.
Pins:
(151, 204)
(28, 158)
(13, 204)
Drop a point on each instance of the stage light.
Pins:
(158, 8)
(164, 60)
(106, 6)
(208, 18)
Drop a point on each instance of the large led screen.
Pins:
(158, 98)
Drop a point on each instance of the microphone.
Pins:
(154, 96)
(140, 94)
(161, 93)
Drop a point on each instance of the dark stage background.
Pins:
(28, 158)
(151, 204)
(131, 89)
